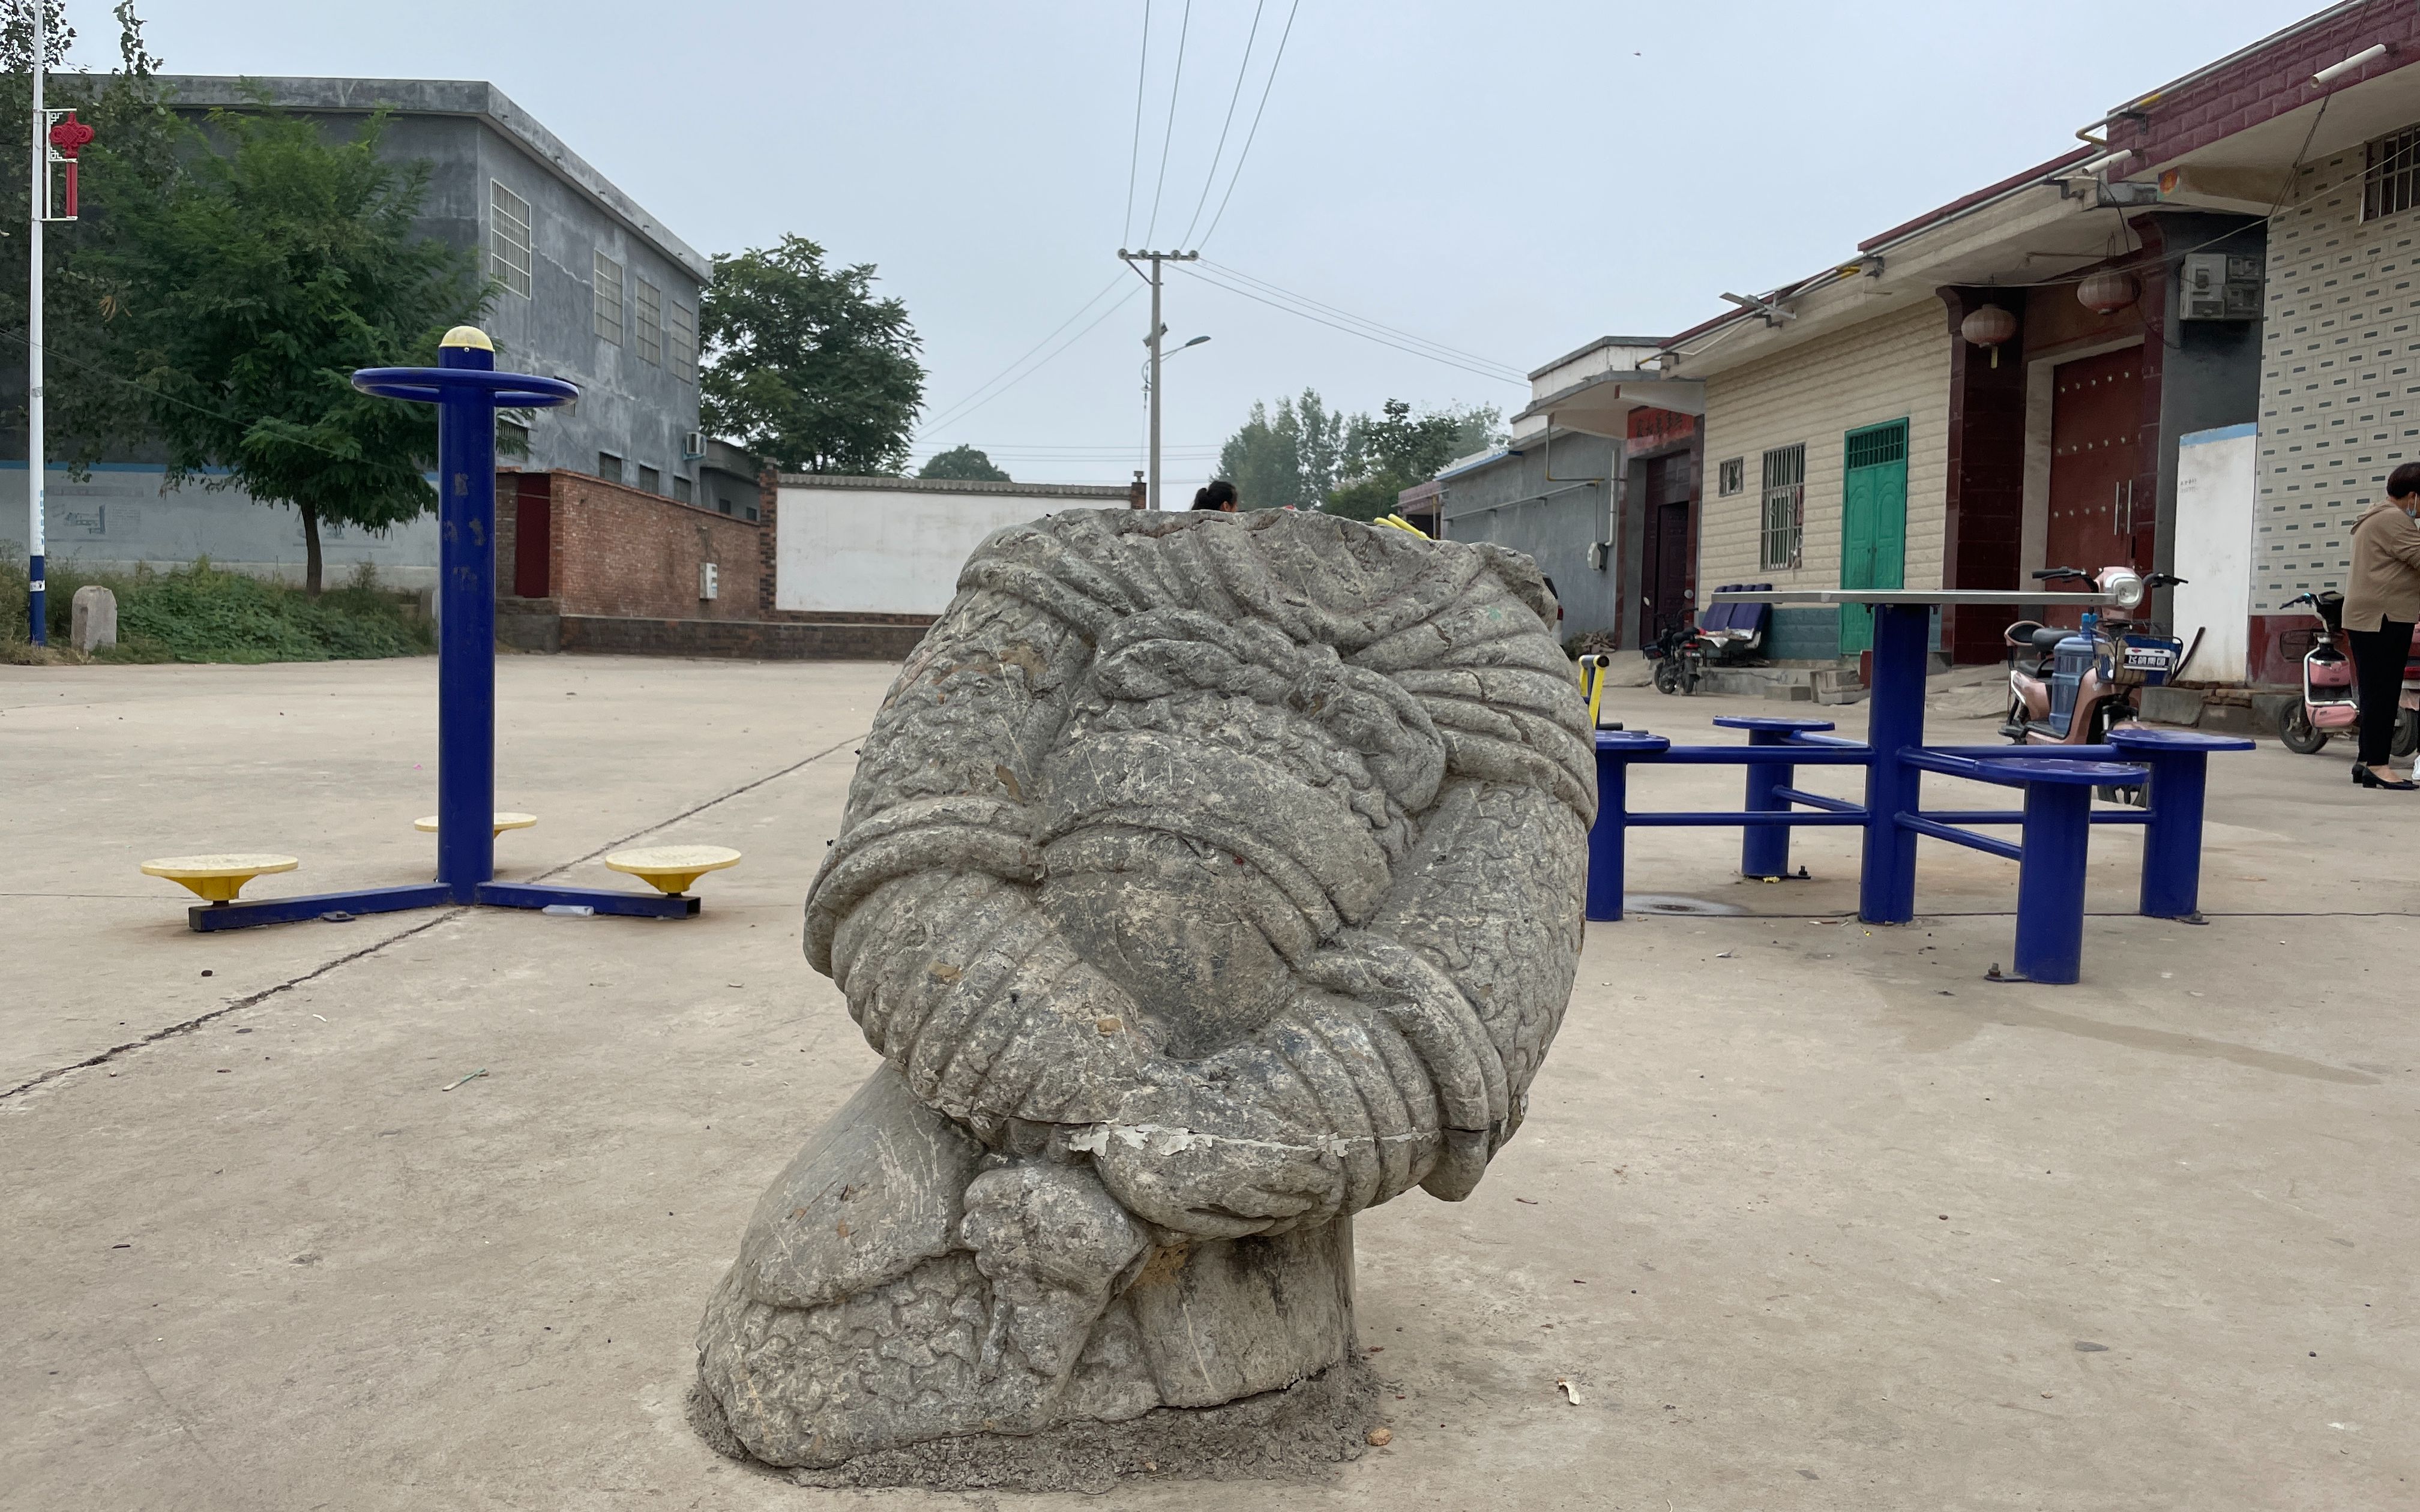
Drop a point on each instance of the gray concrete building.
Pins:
(589, 286)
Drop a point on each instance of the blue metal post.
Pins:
(1606, 836)
(1895, 720)
(2172, 836)
(466, 652)
(1764, 849)
(35, 611)
(2050, 882)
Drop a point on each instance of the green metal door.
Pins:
(1873, 522)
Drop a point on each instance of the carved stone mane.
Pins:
(1205, 880)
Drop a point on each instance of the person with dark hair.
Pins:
(2381, 602)
(1219, 494)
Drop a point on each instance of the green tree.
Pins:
(1287, 458)
(807, 368)
(133, 157)
(244, 293)
(1387, 454)
(964, 463)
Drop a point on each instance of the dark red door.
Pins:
(1664, 567)
(533, 537)
(2102, 513)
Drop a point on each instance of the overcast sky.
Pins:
(1511, 180)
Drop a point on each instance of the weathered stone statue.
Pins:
(1206, 879)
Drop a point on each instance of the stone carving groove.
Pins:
(1205, 880)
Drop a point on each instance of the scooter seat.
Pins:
(2038, 637)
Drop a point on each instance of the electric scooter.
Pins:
(2330, 703)
(2067, 688)
(1679, 657)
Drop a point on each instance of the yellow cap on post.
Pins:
(468, 336)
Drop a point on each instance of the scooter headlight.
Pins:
(2125, 588)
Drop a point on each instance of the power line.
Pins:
(965, 409)
(1134, 152)
(1378, 326)
(1274, 65)
(1210, 179)
(1383, 336)
(1168, 138)
(955, 410)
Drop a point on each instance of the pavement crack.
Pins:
(231, 1005)
(685, 814)
(255, 998)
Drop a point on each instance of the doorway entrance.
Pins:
(1873, 522)
(2096, 426)
(1664, 559)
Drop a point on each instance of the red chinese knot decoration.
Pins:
(67, 137)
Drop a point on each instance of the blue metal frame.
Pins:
(467, 391)
(2056, 820)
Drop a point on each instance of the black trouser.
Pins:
(2378, 659)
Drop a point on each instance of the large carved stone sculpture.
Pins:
(1206, 880)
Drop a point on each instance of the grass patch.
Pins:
(203, 613)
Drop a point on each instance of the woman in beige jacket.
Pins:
(2380, 604)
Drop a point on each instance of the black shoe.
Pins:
(2369, 779)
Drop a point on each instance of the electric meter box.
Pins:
(2219, 286)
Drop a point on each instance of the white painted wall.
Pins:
(884, 552)
(2217, 495)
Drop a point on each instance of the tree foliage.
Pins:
(966, 463)
(244, 292)
(1387, 454)
(1288, 457)
(1305, 455)
(806, 367)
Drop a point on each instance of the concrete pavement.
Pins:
(1810, 1214)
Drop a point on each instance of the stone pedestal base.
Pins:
(1292, 1434)
(900, 1285)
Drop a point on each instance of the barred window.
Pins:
(608, 318)
(682, 328)
(509, 239)
(1785, 502)
(2390, 183)
(1731, 476)
(608, 467)
(650, 480)
(650, 302)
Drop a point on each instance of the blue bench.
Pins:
(2051, 854)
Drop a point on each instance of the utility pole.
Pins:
(40, 185)
(1158, 330)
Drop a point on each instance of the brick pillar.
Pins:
(1137, 494)
(769, 526)
(1984, 518)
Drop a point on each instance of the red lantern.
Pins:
(1989, 327)
(2108, 291)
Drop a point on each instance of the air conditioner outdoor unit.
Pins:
(693, 444)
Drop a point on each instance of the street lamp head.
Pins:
(1195, 342)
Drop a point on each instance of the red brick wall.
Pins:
(2264, 85)
(618, 551)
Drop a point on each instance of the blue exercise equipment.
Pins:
(467, 391)
(2056, 781)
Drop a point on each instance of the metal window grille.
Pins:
(512, 437)
(650, 328)
(1785, 504)
(608, 467)
(684, 490)
(1881, 444)
(607, 319)
(681, 326)
(508, 235)
(1731, 476)
(650, 480)
(2390, 183)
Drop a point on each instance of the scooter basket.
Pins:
(2327, 669)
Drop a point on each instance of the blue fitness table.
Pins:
(467, 391)
(2056, 781)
